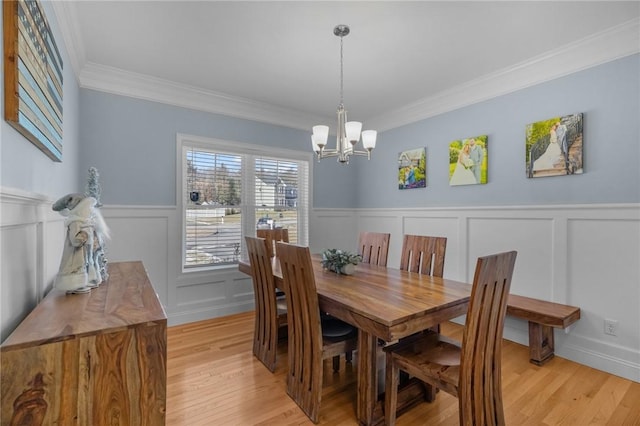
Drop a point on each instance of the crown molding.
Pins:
(125, 83)
(614, 43)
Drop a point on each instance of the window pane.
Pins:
(213, 220)
(281, 218)
(277, 195)
(276, 183)
(215, 178)
(213, 236)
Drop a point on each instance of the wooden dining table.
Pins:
(383, 303)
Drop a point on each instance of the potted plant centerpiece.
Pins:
(340, 261)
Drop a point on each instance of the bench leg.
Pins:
(541, 343)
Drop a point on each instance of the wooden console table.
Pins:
(89, 359)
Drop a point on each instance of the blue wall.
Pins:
(132, 142)
(22, 165)
(607, 95)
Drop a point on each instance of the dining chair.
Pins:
(273, 235)
(470, 371)
(374, 247)
(310, 339)
(423, 254)
(271, 311)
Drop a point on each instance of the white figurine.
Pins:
(86, 230)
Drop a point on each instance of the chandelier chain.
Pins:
(341, 73)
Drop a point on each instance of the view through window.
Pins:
(228, 195)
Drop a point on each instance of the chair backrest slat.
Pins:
(423, 254)
(480, 367)
(374, 247)
(272, 236)
(266, 322)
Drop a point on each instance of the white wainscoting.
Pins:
(583, 255)
(31, 236)
(153, 235)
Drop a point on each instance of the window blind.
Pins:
(228, 192)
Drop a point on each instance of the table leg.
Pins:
(367, 378)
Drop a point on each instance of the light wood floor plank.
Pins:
(213, 379)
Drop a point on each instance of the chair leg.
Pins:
(336, 363)
(391, 392)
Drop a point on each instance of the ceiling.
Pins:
(284, 56)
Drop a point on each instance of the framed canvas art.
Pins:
(468, 161)
(412, 169)
(554, 147)
(33, 76)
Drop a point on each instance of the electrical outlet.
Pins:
(611, 327)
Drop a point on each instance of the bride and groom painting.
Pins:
(468, 164)
(554, 146)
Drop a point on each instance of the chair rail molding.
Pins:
(558, 246)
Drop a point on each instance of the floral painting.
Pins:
(412, 169)
(554, 147)
(468, 161)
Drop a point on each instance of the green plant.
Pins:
(335, 259)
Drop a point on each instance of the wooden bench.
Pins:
(543, 316)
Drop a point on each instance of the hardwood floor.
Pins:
(213, 379)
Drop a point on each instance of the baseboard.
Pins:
(179, 318)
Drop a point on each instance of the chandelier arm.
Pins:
(324, 154)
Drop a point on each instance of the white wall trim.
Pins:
(600, 360)
(611, 44)
(597, 49)
(207, 313)
(380, 210)
(15, 194)
(125, 83)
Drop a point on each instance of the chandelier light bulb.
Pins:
(353, 129)
(369, 139)
(322, 134)
(314, 144)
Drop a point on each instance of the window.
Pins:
(228, 189)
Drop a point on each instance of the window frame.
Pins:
(186, 142)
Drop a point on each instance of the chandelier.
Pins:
(348, 132)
